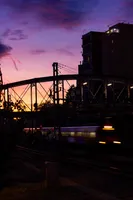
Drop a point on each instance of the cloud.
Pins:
(14, 34)
(38, 52)
(6, 33)
(4, 50)
(53, 13)
(65, 51)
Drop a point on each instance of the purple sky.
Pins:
(40, 32)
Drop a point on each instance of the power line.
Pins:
(68, 70)
(66, 80)
(65, 66)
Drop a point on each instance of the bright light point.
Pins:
(116, 142)
(131, 87)
(109, 84)
(85, 83)
(108, 128)
(15, 118)
(92, 134)
(115, 30)
(102, 142)
(72, 133)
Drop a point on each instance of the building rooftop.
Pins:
(121, 25)
(118, 25)
(92, 32)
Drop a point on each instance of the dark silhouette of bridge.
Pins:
(121, 89)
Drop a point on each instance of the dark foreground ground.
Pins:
(25, 178)
(38, 191)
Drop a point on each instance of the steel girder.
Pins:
(113, 90)
(12, 95)
(108, 90)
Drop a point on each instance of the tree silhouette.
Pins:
(8, 105)
(19, 106)
(71, 95)
(45, 106)
(35, 107)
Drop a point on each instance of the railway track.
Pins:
(107, 167)
(31, 151)
(104, 167)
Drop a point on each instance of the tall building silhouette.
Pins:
(108, 53)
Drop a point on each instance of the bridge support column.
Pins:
(128, 91)
(5, 95)
(105, 91)
(56, 98)
(55, 84)
(36, 103)
(82, 93)
(63, 97)
(31, 96)
(8, 99)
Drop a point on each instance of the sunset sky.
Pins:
(36, 33)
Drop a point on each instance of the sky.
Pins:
(36, 33)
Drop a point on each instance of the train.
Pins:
(105, 133)
(116, 130)
(74, 134)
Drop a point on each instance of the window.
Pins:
(114, 30)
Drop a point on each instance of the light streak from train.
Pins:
(102, 142)
(116, 142)
(108, 128)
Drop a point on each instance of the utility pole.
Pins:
(52, 168)
(56, 98)
(55, 84)
(1, 83)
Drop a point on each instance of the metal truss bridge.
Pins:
(92, 90)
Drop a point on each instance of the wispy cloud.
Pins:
(65, 51)
(17, 34)
(4, 50)
(6, 33)
(38, 51)
(54, 13)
